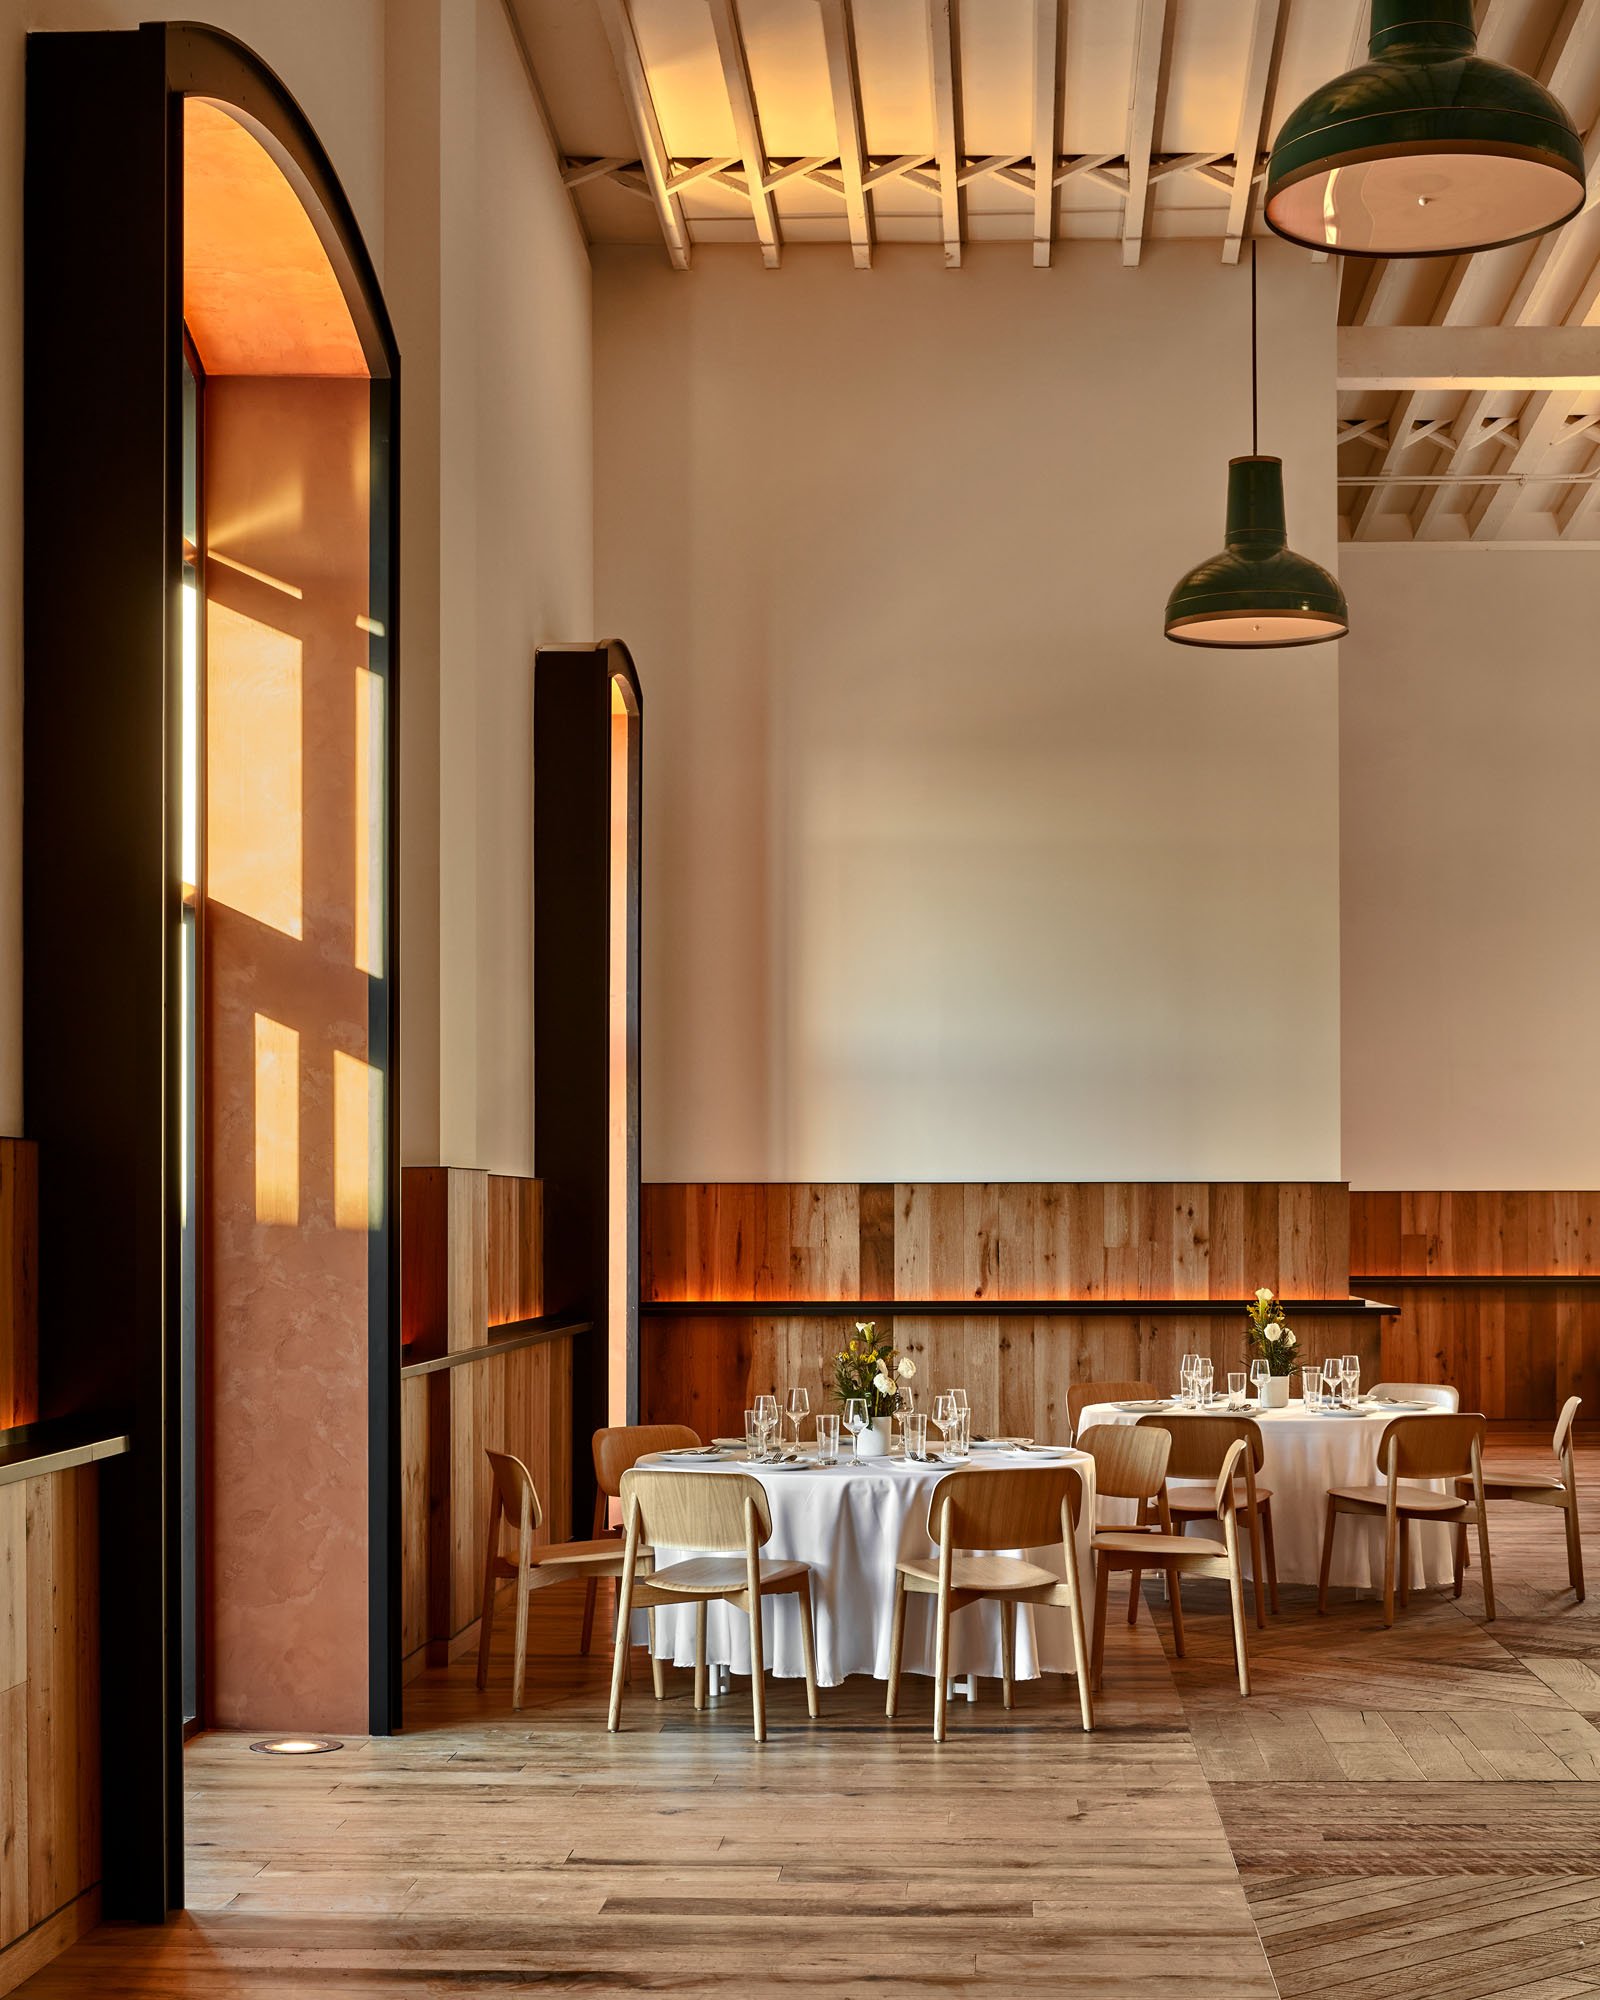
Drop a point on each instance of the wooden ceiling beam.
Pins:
(1541, 428)
(945, 82)
(747, 127)
(1046, 125)
(1144, 111)
(1501, 358)
(653, 156)
(1250, 133)
(844, 78)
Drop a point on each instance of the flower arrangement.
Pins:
(1268, 1336)
(870, 1368)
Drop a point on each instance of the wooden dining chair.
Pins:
(725, 1515)
(1437, 1395)
(984, 1509)
(1199, 1445)
(1080, 1395)
(515, 1498)
(1444, 1447)
(617, 1451)
(1539, 1489)
(1131, 1464)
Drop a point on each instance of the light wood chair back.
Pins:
(619, 1450)
(1200, 1444)
(1005, 1507)
(1442, 1447)
(1564, 1423)
(710, 1511)
(1437, 1395)
(514, 1484)
(1081, 1394)
(1227, 1492)
(1130, 1462)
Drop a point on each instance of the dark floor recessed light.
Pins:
(296, 1746)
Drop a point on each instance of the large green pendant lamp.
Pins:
(1257, 592)
(1426, 150)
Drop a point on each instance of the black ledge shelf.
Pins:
(29, 1451)
(993, 1308)
(1480, 1281)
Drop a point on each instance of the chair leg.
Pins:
(897, 1637)
(1328, 1525)
(758, 1667)
(658, 1672)
(700, 1653)
(1483, 1557)
(619, 1653)
(1102, 1585)
(1458, 1539)
(1175, 1592)
(941, 1664)
(1405, 1564)
(486, 1617)
(1080, 1656)
(808, 1643)
(1272, 1556)
(519, 1658)
(1008, 1650)
(1135, 1590)
(1574, 1547)
(591, 1591)
(1258, 1565)
(1391, 1555)
(1236, 1602)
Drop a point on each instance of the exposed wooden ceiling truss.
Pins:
(1034, 122)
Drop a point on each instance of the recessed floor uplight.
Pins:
(296, 1746)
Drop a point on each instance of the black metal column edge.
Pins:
(571, 947)
(102, 357)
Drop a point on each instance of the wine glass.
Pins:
(945, 1414)
(1204, 1377)
(1259, 1372)
(797, 1405)
(855, 1417)
(1186, 1377)
(1351, 1364)
(905, 1403)
(767, 1418)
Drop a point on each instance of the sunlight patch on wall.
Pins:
(357, 1142)
(369, 823)
(254, 819)
(277, 1122)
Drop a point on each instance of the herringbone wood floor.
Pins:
(1406, 1815)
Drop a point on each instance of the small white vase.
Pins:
(1275, 1392)
(873, 1442)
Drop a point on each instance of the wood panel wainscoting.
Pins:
(481, 1370)
(1498, 1292)
(1015, 1290)
(19, 1300)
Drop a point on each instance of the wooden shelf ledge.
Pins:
(29, 1451)
(501, 1340)
(993, 1308)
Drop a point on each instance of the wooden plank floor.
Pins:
(1412, 1813)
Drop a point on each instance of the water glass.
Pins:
(1237, 1380)
(1311, 1388)
(959, 1442)
(828, 1438)
(963, 1407)
(752, 1434)
(914, 1432)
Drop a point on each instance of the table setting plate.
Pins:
(1164, 1403)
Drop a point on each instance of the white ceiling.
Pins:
(920, 121)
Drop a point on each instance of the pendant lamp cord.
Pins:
(1255, 391)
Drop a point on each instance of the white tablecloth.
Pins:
(1303, 1454)
(851, 1524)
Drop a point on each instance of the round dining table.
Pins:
(851, 1523)
(1304, 1453)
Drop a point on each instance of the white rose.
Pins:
(1272, 1331)
(1263, 1296)
(882, 1384)
(1289, 1339)
(908, 1367)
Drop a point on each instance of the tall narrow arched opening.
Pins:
(210, 1032)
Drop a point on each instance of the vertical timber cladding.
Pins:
(572, 778)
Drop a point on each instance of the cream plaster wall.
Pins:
(954, 867)
(1470, 719)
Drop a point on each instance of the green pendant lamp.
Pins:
(1257, 592)
(1426, 150)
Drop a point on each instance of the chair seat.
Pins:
(604, 1548)
(1514, 1485)
(1411, 1499)
(987, 1575)
(1199, 1496)
(715, 1576)
(1161, 1549)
